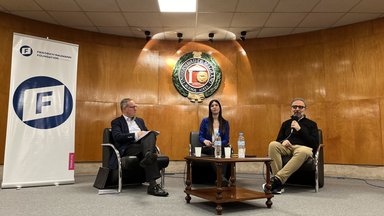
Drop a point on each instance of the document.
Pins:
(146, 133)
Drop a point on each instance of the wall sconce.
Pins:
(242, 35)
(210, 36)
(180, 36)
(147, 35)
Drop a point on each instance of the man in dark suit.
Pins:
(132, 138)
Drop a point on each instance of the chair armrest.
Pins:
(318, 152)
(120, 184)
(114, 149)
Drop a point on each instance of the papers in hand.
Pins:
(145, 133)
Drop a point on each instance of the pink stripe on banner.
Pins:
(71, 161)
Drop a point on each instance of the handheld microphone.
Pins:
(294, 118)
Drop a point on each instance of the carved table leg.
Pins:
(268, 183)
(219, 209)
(188, 182)
(219, 178)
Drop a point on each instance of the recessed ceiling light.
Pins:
(177, 5)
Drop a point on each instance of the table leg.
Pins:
(188, 181)
(268, 183)
(233, 175)
(219, 209)
(219, 180)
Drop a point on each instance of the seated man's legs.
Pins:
(280, 173)
(149, 163)
(300, 155)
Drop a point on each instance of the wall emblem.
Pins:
(196, 75)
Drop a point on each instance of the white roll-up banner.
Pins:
(39, 148)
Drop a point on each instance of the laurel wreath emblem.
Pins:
(203, 60)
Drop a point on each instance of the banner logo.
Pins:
(42, 102)
(196, 75)
(26, 50)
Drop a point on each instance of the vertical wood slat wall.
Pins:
(339, 71)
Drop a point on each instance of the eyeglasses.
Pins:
(297, 107)
(132, 107)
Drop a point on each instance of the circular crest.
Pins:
(196, 75)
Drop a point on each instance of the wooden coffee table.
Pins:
(232, 193)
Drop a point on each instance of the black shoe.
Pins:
(148, 159)
(156, 190)
(276, 186)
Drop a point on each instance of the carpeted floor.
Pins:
(338, 197)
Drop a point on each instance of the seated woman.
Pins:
(209, 127)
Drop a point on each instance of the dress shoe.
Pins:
(148, 159)
(156, 190)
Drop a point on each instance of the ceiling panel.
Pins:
(92, 5)
(296, 5)
(260, 18)
(214, 19)
(216, 6)
(285, 19)
(71, 18)
(335, 6)
(58, 5)
(107, 19)
(249, 19)
(138, 6)
(256, 5)
(315, 20)
(149, 19)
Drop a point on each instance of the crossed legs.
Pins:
(300, 155)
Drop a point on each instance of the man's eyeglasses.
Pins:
(132, 107)
(297, 107)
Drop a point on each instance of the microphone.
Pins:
(294, 118)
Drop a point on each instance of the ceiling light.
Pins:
(177, 5)
(180, 36)
(210, 37)
(147, 35)
(242, 35)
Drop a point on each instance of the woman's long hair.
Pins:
(222, 121)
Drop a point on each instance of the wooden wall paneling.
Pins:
(168, 94)
(245, 79)
(377, 59)
(338, 65)
(258, 83)
(174, 123)
(5, 76)
(91, 119)
(226, 58)
(260, 125)
(300, 75)
(367, 49)
(352, 132)
(141, 81)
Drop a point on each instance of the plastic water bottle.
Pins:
(217, 146)
(241, 146)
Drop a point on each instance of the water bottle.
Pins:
(217, 146)
(241, 146)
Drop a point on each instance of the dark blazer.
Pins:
(204, 134)
(124, 141)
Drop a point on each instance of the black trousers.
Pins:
(147, 143)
